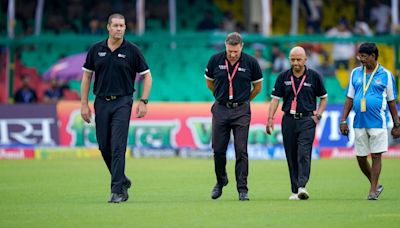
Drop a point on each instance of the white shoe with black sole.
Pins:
(303, 194)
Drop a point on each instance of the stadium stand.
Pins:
(176, 62)
(70, 95)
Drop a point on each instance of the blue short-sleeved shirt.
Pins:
(381, 90)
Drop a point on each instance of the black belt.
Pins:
(299, 115)
(110, 98)
(230, 104)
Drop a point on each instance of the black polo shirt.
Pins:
(115, 72)
(313, 87)
(248, 72)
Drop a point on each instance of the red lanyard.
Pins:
(294, 88)
(230, 78)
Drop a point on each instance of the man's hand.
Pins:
(270, 126)
(395, 132)
(315, 118)
(141, 110)
(86, 113)
(344, 129)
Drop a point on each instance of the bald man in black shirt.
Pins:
(299, 87)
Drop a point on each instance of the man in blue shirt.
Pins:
(371, 90)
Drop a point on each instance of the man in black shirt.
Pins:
(54, 93)
(25, 94)
(299, 87)
(230, 75)
(115, 62)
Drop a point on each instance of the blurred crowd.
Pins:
(367, 18)
(371, 17)
(29, 91)
(89, 17)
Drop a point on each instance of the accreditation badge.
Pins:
(363, 105)
(293, 107)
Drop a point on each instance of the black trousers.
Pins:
(225, 120)
(112, 125)
(298, 137)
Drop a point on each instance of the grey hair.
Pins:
(234, 38)
(115, 15)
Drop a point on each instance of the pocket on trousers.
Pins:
(212, 108)
(305, 123)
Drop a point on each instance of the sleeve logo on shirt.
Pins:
(121, 55)
(102, 54)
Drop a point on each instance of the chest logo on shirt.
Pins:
(288, 83)
(307, 84)
(102, 54)
(223, 67)
(121, 55)
(378, 81)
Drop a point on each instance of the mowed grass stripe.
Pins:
(175, 192)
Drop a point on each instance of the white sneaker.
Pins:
(379, 190)
(303, 194)
(293, 196)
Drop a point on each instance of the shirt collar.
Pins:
(240, 58)
(104, 43)
(304, 73)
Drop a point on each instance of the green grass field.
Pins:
(176, 193)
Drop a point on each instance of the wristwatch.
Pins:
(145, 101)
(396, 125)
